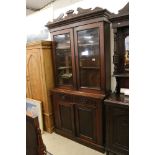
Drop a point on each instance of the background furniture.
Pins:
(117, 125)
(120, 25)
(81, 58)
(117, 104)
(39, 78)
(34, 142)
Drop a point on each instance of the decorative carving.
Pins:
(125, 9)
(42, 147)
(82, 11)
(97, 9)
(116, 62)
(85, 100)
(122, 12)
(59, 18)
(70, 14)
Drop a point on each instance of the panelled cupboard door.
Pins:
(86, 122)
(65, 114)
(63, 58)
(117, 129)
(34, 76)
(89, 49)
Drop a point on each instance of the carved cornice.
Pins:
(82, 14)
(122, 18)
(122, 13)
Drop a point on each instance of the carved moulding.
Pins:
(80, 12)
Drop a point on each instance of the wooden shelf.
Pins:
(90, 67)
(83, 45)
(121, 75)
(63, 48)
(61, 68)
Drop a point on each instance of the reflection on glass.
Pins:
(89, 64)
(63, 59)
(126, 56)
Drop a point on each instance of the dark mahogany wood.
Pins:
(64, 113)
(79, 17)
(100, 26)
(117, 125)
(70, 32)
(79, 110)
(79, 117)
(86, 122)
(120, 24)
(34, 142)
(79, 93)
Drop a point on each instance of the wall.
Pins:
(36, 21)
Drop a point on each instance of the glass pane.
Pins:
(63, 59)
(89, 64)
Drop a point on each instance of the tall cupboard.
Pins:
(39, 78)
(81, 58)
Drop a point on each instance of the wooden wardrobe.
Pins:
(39, 78)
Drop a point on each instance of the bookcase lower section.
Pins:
(79, 116)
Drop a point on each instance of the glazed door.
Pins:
(64, 59)
(86, 126)
(89, 56)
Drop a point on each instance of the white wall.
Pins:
(111, 5)
(28, 11)
(36, 22)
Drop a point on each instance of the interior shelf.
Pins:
(83, 45)
(89, 67)
(121, 75)
(63, 48)
(65, 67)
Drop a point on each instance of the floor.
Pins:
(59, 145)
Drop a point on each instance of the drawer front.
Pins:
(85, 101)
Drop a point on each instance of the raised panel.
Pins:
(65, 114)
(33, 69)
(86, 122)
(117, 129)
(121, 131)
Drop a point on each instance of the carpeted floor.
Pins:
(59, 145)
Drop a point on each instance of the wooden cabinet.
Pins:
(39, 77)
(117, 105)
(117, 125)
(81, 54)
(79, 117)
(81, 59)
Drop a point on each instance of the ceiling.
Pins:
(35, 5)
